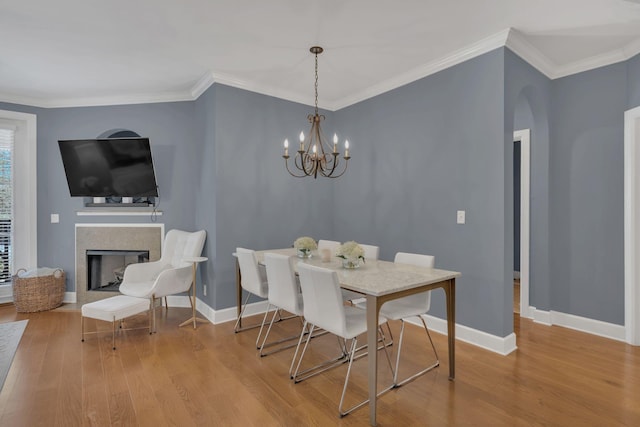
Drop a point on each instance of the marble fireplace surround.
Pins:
(112, 237)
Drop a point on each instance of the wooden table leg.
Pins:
(372, 345)
(450, 292)
(238, 295)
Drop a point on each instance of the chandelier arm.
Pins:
(286, 163)
(341, 173)
(305, 159)
(334, 164)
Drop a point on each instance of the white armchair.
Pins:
(171, 274)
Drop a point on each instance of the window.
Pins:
(19, 246)
(7, 136)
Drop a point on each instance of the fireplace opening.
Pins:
(105, 268)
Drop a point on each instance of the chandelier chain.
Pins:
(316, 84)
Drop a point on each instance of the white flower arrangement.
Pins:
(350, 251)
(305, 243)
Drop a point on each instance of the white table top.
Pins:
(373, 277)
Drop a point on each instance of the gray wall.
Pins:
(587, 243)
(527, 105)
(258, 204)
(633, 81)
(420, 153)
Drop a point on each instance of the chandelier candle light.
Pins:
(315, 156)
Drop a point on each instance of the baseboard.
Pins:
(540, 316)
(582, 324)
(231, 313)
(217, 316)
(494, 343)
(69, 298)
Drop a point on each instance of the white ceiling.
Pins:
(99, 52)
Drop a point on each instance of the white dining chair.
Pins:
(410, 306)
(254, 281)
(283, 294)
(331, 245)
(324, 308)
(371, 252)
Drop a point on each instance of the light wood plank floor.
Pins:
(213, 377)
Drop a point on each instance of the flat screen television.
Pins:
(109, 167)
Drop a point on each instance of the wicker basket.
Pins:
(31, 294)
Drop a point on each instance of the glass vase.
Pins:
(304, 253)
(351, 263)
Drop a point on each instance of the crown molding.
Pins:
(476, 49)
(519, 45)
(149, 98)
(590, 63)
(144, 98)
(202, 85)
(22, 100)
(266, 90)
(632, 49)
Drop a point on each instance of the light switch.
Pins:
(460, 217)
(55, 218)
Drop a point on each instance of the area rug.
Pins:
(10, 334)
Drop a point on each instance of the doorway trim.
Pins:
(524, 137)
(25, 195)
(631, 231)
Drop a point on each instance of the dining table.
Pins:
(380, 281)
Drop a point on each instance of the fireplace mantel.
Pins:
(112, 237)
(119, 211)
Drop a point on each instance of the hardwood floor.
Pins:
(213, 377)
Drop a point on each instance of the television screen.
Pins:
(119, 167)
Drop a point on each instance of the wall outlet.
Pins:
(461, 217)
(55, 218)
(204, 290)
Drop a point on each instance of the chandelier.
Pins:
(315, 155)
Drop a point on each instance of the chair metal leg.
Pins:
(382, 339)
(113, 333)
(236, 327)
(149, 316)
(354, 345)
(280, 341)
(422, 372)
(264, 320)
(295, 354)
(299, 376)
(81, 328)
(390, 333)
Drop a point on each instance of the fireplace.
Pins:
(104, 250)
(105, 269)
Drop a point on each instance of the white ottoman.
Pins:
(114, 309)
